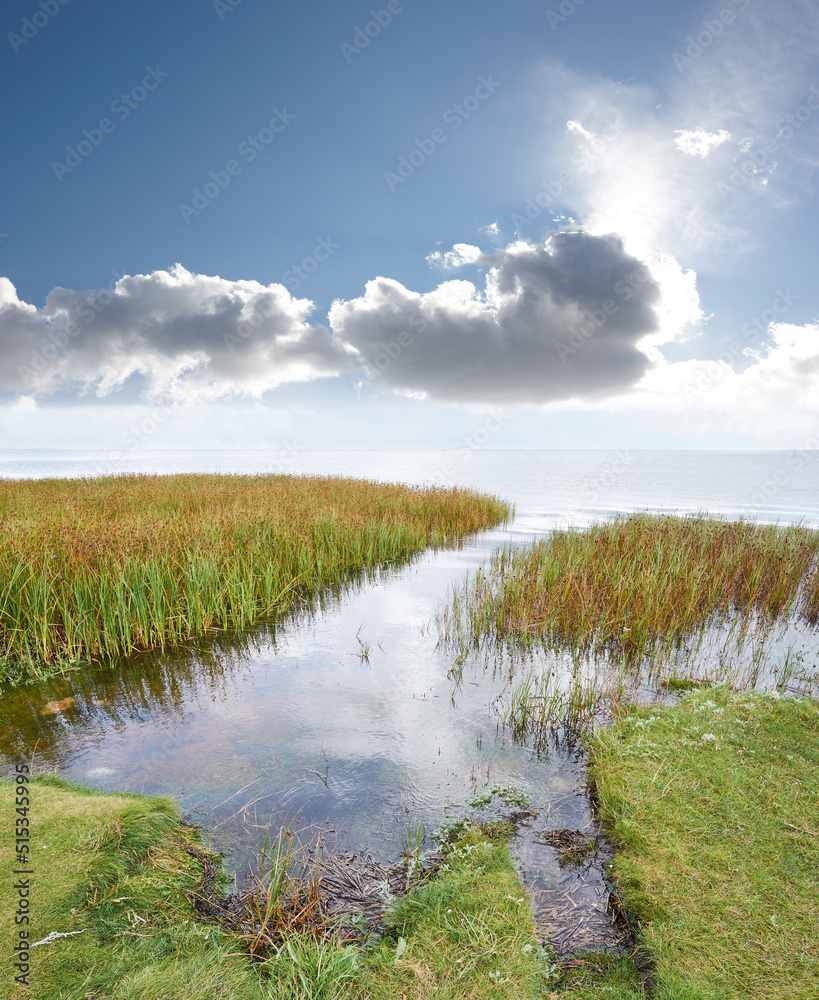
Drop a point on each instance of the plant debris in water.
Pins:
(572, 846)
(298, 891)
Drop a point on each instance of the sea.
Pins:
(547, 487)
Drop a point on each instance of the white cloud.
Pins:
(185, 336)
(577, 129)
(779, 380)
(698, 142)
(458, 256)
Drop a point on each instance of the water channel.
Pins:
(346, 718)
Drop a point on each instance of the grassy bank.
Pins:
(100, 567)
(468, 933)
(713, 805)
(116, 868)
(637, 585)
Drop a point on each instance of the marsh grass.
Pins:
(654, 595)
(96, 568)
(282, 897)
(414, 836)
(638, 586)
(542, 706)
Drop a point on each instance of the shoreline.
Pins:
(643, 768)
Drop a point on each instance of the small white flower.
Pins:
(707, 737)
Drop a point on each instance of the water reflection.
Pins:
(341, 720)
(292, 722)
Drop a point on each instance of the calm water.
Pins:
(547, 486)
(292, 720)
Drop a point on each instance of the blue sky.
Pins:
(383, 225)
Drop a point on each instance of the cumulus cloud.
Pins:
(698, 142)
(783, 374)
(189, 336)
(569, 318)
(460, 254)
(554, 321)
(775, 385)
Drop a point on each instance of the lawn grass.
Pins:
(636, 586)
(95, 568)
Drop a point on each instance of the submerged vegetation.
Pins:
(94, 568)
(711, 802)
(637, 586)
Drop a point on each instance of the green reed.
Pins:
(93, 568)
(544, 705)
(637, 586)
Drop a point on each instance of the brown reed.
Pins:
(94, 568)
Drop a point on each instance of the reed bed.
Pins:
(93, 568)
(637, 586)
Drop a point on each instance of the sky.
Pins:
(409, 224)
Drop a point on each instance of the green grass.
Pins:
(467, 933)
(115, 868)
(636, 586)
(94, 568)
(714, 807)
